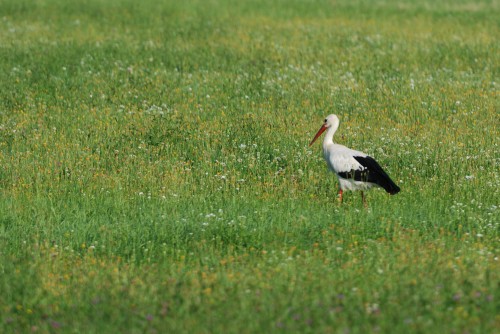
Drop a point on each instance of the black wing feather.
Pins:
(372, 173)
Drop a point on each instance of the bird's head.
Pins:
(330, 121)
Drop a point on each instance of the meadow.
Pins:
(156, 175)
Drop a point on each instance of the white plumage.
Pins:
(355, 170)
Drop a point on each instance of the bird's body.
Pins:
(355, 170)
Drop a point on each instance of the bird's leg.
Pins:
(340, 195)
(363, 198)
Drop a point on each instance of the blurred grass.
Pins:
(156, 175)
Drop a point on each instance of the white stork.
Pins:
(355, 170)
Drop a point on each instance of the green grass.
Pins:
(156, 176)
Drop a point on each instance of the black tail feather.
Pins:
(375, 174)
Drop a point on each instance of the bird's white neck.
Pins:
(328, 139)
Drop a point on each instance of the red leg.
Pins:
(340, 195)
(363, 198)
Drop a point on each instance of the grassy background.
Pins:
(156, 176)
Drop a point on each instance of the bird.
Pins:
(355, 170)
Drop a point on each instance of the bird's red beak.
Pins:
(321, 130)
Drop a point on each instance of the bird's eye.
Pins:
(325, 120)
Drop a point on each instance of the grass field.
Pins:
(156, 175)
